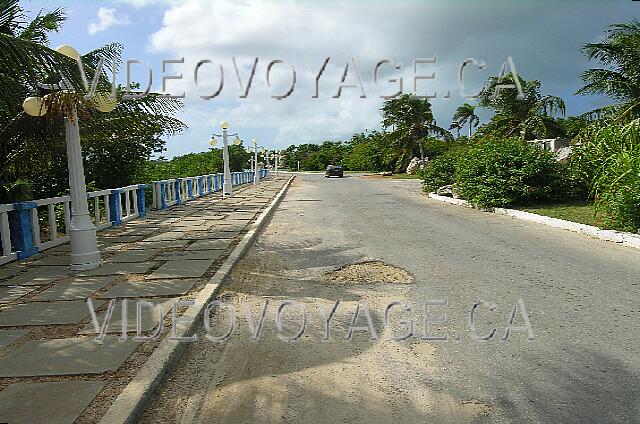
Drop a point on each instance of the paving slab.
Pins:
(168, 220)
(59, 402)
(41, 313)
(145, 244)
(150, 288)
(78, 288)
(230, 226)
(168, 236)
(119, 269)
(10, 293)
(242, 216)
(37, 276)
(215, 244)
(149, 317)
(236, 218)
(190, 254)
(211, 234)
(118, 238)
(224, 210)
(103, 245)
(182, 269)
(9, 270)
(133, 255)
(209, 216)
(44, 259)
(139, 231)
(186, 225)
(198, 227)
(190, 221)
(9, 336)
(78, 355)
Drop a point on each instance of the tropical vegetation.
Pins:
(494, 165)
(490, 163)
(116, 145)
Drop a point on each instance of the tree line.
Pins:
(490, 163)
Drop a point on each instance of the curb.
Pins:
(626, 239)
(130, 403)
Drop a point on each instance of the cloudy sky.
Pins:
(542, 37)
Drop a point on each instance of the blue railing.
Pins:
(27, 228)
(175, 191)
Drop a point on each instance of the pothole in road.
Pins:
(370, 272)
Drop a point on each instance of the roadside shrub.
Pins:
(498, 173)
(433, 147)
(439, 171)
(622, 207)
(608, 162)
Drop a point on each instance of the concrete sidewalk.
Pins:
(51, 368)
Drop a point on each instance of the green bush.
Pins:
(622, 207)
(434, 147)
(439, 171)
(498, 173)
(608, 162)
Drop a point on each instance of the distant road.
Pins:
(581, 295)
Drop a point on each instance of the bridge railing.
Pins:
(7, 253)
(27, 228)
(167, 193)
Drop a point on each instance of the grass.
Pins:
(582, 213)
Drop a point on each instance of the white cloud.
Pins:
(106, 19)
(544, 42)
(138, 4)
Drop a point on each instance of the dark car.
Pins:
(333, 171)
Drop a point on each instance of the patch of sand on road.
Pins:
(370, 272)
(311, 380)
(308, 381)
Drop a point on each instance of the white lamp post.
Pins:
(274, 157)
(82, 232)
(227, 186)
(255, 162)
(84, 245)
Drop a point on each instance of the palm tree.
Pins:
(26, 61)
(528, 118)
(456, 126)
(25, 55)
(412, 120)
(464, 114)
(620, 80)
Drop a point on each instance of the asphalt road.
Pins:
(581, 297)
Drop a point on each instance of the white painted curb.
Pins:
(130, 404)
(626, 239)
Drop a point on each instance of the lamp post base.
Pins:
(84, 247)
(227, 189)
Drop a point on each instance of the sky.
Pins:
(287, 103)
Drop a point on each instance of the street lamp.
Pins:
(266, 157)
(227, 186)
(250, 160)
(255, 161)
(277, 162)
(82, 232)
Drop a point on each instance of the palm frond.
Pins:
(37, 30)
(10, 11)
